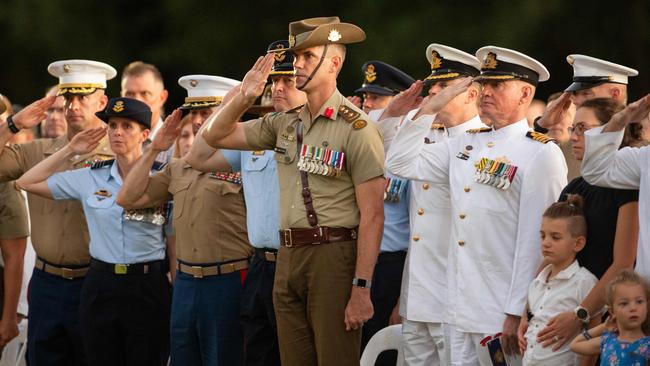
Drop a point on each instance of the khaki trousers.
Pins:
(312, 288)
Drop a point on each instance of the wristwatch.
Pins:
(582, 314)
(360, 282)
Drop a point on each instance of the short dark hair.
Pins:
(139, 68)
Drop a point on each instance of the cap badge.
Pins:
(280, 55)
(371, 75)
(66, 68)
(118, 107)
(436, 60)
(490, 61)
(292, 40)
(334, 36)
(194, 83)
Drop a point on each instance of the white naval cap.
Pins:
(590, 71)
(500, 63)
(450, 63)
(205, 91)
(81, 76)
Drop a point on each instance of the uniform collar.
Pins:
(329, 109)
(564, 274)
(474, 122)
(519, 127)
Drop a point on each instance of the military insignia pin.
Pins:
(490, 61)
(118, 107)
(436, 60)
(334, 36)
(371, 75)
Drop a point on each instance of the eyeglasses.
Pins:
(579, 129)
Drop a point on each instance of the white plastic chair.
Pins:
(386, 339)
(14, 352)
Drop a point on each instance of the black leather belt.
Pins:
(126, 269)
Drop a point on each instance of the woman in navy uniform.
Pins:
(125, 299)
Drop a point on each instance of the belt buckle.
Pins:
(197, 271)
(67, 273)
(287, 234)
(120, 269)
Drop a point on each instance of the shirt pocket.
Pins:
(178, 189)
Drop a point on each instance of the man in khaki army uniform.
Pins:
(330, 169)
(61, 237)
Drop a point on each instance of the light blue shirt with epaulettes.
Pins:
(113, 238)
(396, 220)
(262, 194)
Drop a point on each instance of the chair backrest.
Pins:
(386, 339)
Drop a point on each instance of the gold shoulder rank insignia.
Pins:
(479, 130)
(348, 113)
(539, 137)
(359, 124)
(437, 126)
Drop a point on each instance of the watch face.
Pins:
(582, 314)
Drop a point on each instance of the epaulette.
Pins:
(102, 164)
(479, 130)
(438, 126)
(158, 165)
(539, 137)
(352, 116)
(295, 110)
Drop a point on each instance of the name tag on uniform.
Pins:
(496, 173)
(321, 160)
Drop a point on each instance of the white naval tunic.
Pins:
(605, 165)
(424, 282)
(494, 241)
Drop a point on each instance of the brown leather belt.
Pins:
(214, 270)
(65, 272)
(318, 235)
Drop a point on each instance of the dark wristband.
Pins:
(12, 125)
(539, 128)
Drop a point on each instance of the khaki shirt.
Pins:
(59, 230)
(13, 213)
(347, 130)
(209, 214)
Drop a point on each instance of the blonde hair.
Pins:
(628, 277)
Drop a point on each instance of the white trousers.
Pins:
(465, 349)
(424, 344)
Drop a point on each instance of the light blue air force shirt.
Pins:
(396, 221)
(114, 236)
(260, 180)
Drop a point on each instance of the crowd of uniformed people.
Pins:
(275, 221)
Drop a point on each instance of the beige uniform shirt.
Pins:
(13, 213)
(59, 231)
(209, 214)
(338, 126)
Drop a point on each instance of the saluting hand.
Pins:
(169, 132)
(255, 79)
(405, 101)
(436, 103)
(87, 140)
(556, 111)
(34, 113)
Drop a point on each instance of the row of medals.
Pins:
(319, 160)
(494, 173)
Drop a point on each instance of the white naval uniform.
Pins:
(424, 282)
(494, 240)
(605, 165)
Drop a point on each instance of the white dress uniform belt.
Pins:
(61, 271)
(200, 271)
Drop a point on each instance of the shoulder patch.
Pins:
(348, 113)
(438, 126)
(479, 130)
(158, 165)
(539, 137)
(102, 164)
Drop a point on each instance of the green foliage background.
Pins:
(224, 37)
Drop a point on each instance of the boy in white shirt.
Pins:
(561, 285)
